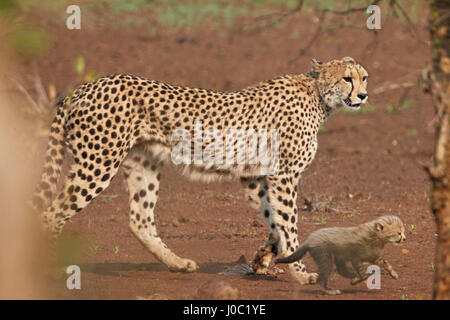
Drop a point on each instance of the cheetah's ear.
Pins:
(348, 60)
(379, 226)
(316, 64)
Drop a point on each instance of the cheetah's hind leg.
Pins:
(142, 171)
(76, 194)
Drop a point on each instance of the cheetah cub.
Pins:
(359, 245)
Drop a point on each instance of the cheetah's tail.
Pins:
(297, 255)
(46, 188)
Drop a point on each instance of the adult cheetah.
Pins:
(127, 121)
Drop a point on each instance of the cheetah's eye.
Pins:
(347, 79)
(364, 78)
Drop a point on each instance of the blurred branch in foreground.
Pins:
(440, 171)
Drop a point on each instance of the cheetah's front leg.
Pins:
(276, 197)
(255, 188)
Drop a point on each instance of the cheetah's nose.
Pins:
(362, 96)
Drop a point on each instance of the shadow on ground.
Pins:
(116, 269)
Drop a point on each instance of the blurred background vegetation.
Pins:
(172, 14)
(28, 27)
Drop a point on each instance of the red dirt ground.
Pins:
(367, 165)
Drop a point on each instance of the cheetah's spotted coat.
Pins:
(127, 121)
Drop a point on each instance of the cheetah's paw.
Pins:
(306, 278)
(185, 265)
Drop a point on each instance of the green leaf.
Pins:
(80, 65)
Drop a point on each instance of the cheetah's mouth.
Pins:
(348, 104)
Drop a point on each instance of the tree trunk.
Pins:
(440, 172)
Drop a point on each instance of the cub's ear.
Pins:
(379, 226)
(316, 64)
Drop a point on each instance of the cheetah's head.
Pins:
(341, 83)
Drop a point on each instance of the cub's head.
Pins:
(341, 83)
(390, 229)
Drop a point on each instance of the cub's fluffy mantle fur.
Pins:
(358, 245)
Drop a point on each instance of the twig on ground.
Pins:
(41, 102)
(313, 206)
(393, 86)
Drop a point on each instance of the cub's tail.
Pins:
(46, 188)
(297, 255)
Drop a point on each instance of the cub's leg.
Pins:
(142, 171)
(343, 269)
(360, 269)
(386, 266)
(324, 262)
(275, 199)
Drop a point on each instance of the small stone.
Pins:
(257, 224)
(183, 220)
(176, 223)
(218, 290)
(357, 196)
(155, 296)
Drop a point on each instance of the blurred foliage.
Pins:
(191, 13)
(46, 5)
(362, 110)
(403, 105)
(118, 6)
(80, 67)
(69, 250)
(29, 42)
(8, 6)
